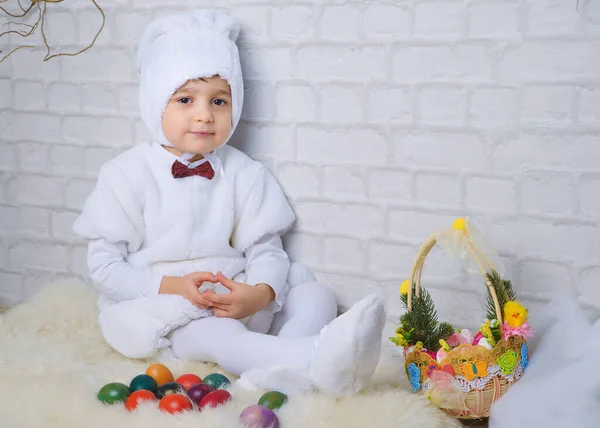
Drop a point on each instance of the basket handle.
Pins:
(417, 269)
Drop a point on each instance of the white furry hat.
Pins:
(176, 48)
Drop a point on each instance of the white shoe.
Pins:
(349, 348)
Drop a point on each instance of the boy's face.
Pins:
(197, 118)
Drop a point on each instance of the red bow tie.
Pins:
(179, 170)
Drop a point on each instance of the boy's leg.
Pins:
(307, 309)
(228, 342)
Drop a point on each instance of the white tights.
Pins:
(291, 339)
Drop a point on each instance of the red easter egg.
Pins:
(215, 399)
(175, 403)
(137, 397)
(188, 380)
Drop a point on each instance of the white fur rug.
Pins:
(54, 360)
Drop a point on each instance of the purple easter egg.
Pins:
(198, 391)
(257, 416)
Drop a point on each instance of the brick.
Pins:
(439, 18)
(589, 203)
(62, 224)
(339, 23)
(564, 241)
(64, 98)
(491, 194)
(547, 192)
(542, 279)
(12, 291)
(7, 128)
(34, 280)
(438, 189)
(60, 29)
(547, 151)
(299, 180)
(267, 64)
(129, 98)
(76, 193)
(98, 64)
(342, 146)
(552, 17)
(9, 219)
(589, 108)
(29, 95)
(78, 262)
(389, 105)
(293, 22)
(38, 127)
(254, 21)
(390, 258)
(344, 181)
(360, 221)
(6, 94)
(262, 142)
(497, 20)
(67, 160)
(99, 98)
(8, 157)
(504, 235)
(109, 131)
(441, 63)
(34, 221)
(493, 107)
(129, 26)
(29, 64)
(414, 225)
(95, 157)
(442, 105)
(549, 61)
(344, 252)
(390, 184)
(340, 63)
(340, 104)
(258, 102)
(349, 288)
(302, 248)
(387, 21)
(589, 292)
(39, 255)
(295, 103)
(37, 190)
(33, 156)
(547, 105)
(432, 149)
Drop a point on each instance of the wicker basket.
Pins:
(484, 375)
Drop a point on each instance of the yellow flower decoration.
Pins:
(487, 333)
(445, 345)
(404, 287)
(515, 313)
(459, 224)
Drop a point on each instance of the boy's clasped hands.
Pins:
(243, 300)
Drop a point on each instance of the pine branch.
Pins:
(504, 291)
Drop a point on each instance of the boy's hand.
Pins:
(188, 286)
(242, 301)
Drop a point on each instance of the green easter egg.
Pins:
(216, 380)
(114, 392)
(143, 381)
(273, 399)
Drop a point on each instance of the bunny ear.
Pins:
(217, 22)
(152, 32)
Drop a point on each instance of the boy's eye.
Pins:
(184, 100)
(219, 102)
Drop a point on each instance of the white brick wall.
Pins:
(383, 121)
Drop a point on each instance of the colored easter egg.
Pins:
(188, 380)
(160, 373)
(113, 393)
(137, 397)
(199, 391)
(215, 399)
(257, 416)
(175, 403)
(216, 380)
(273, 399)
(168, 389)
(143, 381)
